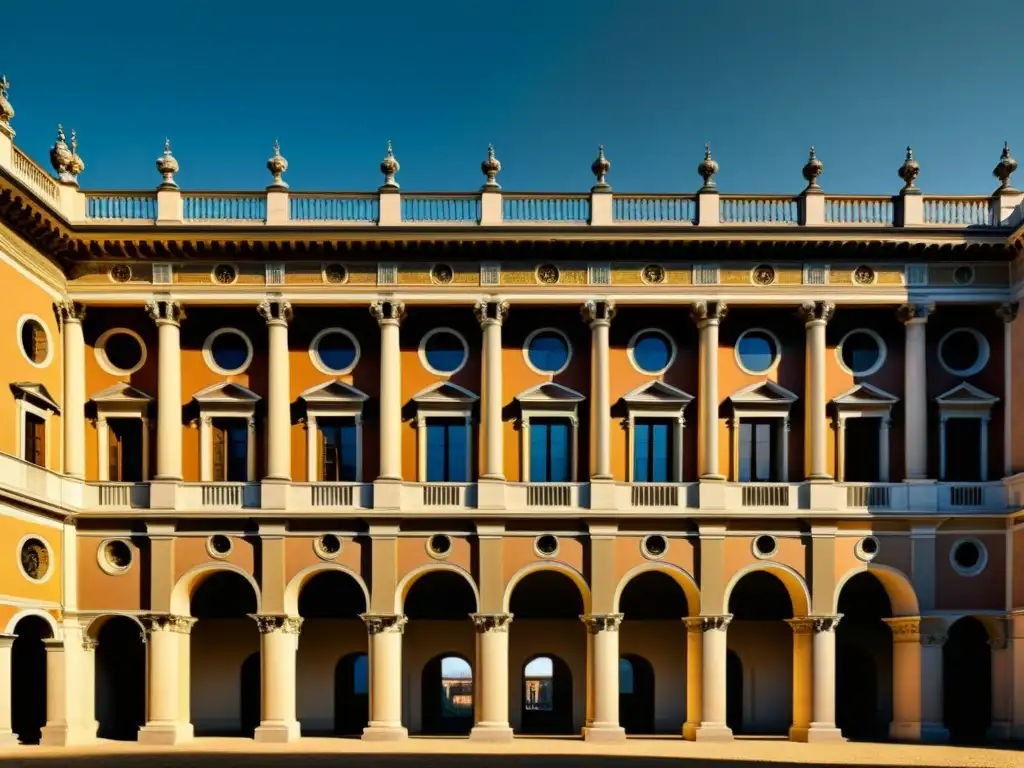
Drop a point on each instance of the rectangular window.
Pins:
(550, 451)
(447, 461)
(338, 447)
(230, 450)
(124, 441)
(861, 450)
(963, 448)
(35, 439)
(652, 451)
(756, 455)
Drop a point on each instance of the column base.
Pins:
(603, 493)
(387, 493)
(166, 734)
(277, 732)
(385, 733)
(604, 733)
(490, 492)
(922, 732)
(274, 493)
(690, 731)
(8, 738)
(491, 733)
(817, 733)
(65, 735)
(713, 732)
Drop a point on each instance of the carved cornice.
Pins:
(388, 311)
(816, 311)
(167, 622)
(491, 622)
(705, 312)
(268, 623)
(490, 312)
(602, 622)
(914, 313)
(380, 623)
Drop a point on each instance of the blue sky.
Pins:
(544, 81)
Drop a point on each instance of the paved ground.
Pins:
(460, 753)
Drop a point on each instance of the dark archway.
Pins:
(636, 694)
(120, 679)
(28, 678)
(225, 656)
(547, 696)
(446, 689)
(967, 682)
(734, 692)
(251, 694)
(864, 659)
(351, 694)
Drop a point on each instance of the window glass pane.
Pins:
(347, 441)
(763, 435)
(756, 351)
(746, 451)
(238, 444)
(960, 350)
(652, 351)
(229, 351)
(641, 445)
(548, 352)
(660, 451)
(336, 351)
(360, 675)
(457, 454)
(560, 457)
(860, 352)
(444, 352)
(538, 452)
(625, 676)
(436, 445)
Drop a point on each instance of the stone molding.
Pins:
(383, 623)
(491, 622)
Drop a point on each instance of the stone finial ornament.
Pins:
(1004, 168)
(909, 172)
(167, 166)
(76, 164)
(491, 167)
(812, 170)
(6, 110)
(389, 167)
(60, 156)
(600, 168)
(708, 168)
(277, 165)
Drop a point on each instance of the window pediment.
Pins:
(549, 393)
(864, 399)
(657, 394)
(445, 393)
(121, 398)
(226, 393)
(333, 393)
(36, 394)
(966, 397)
(763, 397)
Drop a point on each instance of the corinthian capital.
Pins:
(490, 311)
(602, 622)
(268, 623)
(816, 311)
(165, 311)
(379, 623)
(914, 313)
(387, 311)
(275, 310)
(1008, 312)
(68, 311)
(597, 311)
(703, 312)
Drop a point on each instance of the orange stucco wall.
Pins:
(12, 582)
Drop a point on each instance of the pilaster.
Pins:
(491, 314)
(7, 737)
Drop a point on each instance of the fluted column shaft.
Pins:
(168, 316)
(915, 397)
(708, 316)
(164, 670)
(713, 723)
(490, 687)
(603, 685)
(279, 637)
(599, 314)
(491, 315)
(389, 317)
(816, 316)
(278, 314)
(385, 652)
(71, 316)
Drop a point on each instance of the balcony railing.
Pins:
(34, 177)
(120, 206)
(122, 495)
(547, 208)
(653, 209)
(970, 211)
(441, 208)
(224, 207)
(759, 209)
(765, 495)
(874, 210)
(317, 208)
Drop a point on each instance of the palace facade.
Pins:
(282, 463)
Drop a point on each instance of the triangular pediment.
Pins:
(655, 393)
(966, 395)
(763, 393)
(549, 392)
(333, 392)
(444, 393)
(226, 392)
(122, 392)
(865, 396)
(35, 393)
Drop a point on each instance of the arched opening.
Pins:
(547, 642)
(447, 696)
(967, 681)
(28, 678)
(331, 681)
(636, 694)
(439, 641)
(351, 694)
(653, 637)
(864, 659)
(224, 643)
(733, 692)
(120, 679)
(758, 633)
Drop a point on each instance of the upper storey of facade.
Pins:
(806, 353)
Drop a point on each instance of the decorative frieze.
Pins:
(491, 622)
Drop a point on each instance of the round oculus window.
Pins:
(335, 351)
(219, 545)
(35, 341)
(757, 351)
(123, 352)
(546, 545)
(229, 351)
(866, 548)
(652, 351)
(117, 556)
(439, 545)
(862, 352)
(327, 547)
(969, 557)
(654, 546)
(34, 559)
(443, 351)
(547, 351)
(963, 352)
(765, 546)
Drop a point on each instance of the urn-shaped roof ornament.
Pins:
(1004, 168)
(812, 170)
(76, 165)
(60, 156)
(491, 168)
(167, 166)
(600, 168)
(909, 172)
(389, 167)
(277, 165)
(707, 169)
(6, 110)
